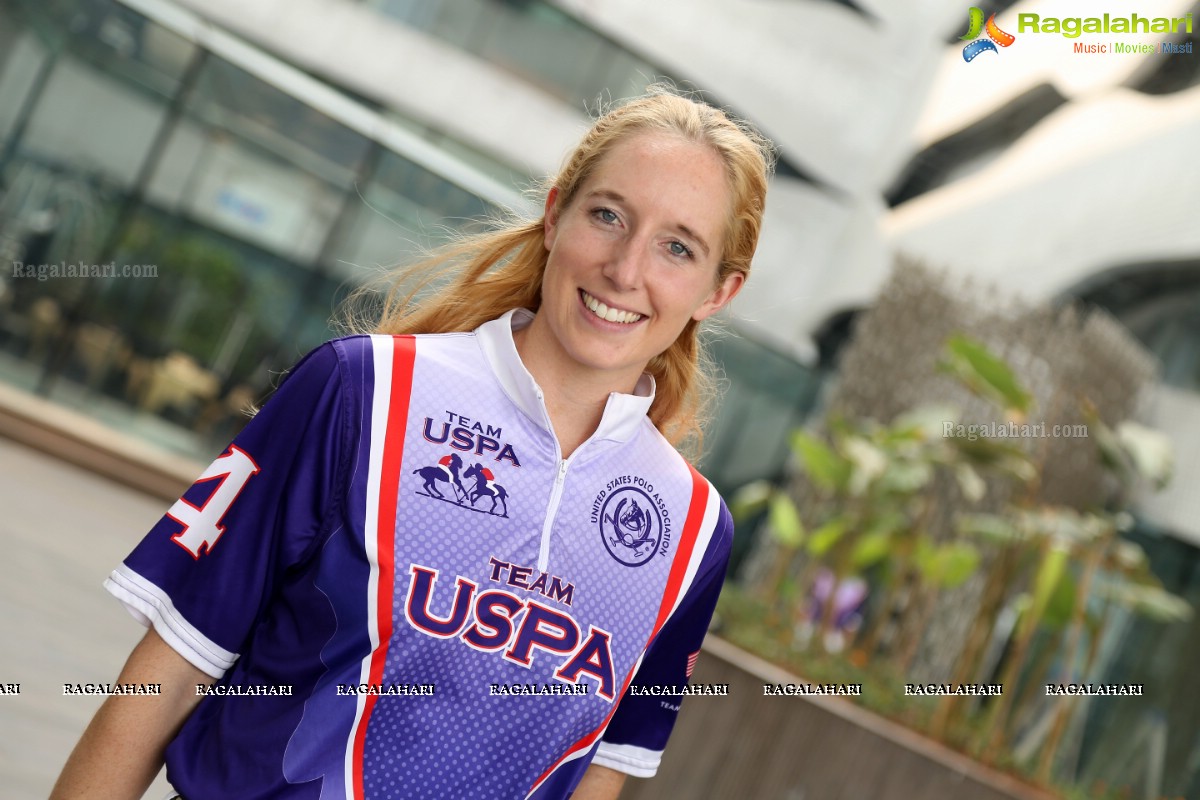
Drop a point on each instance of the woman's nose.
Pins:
(626, 266)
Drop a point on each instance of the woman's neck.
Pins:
(575, 396)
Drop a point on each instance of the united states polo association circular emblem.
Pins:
(631, 526)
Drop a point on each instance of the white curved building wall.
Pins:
(1065, 203)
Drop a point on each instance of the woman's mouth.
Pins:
(607, 313)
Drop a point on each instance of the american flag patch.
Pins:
(691, 665)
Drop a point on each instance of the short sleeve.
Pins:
(636, 736)
(204, 574)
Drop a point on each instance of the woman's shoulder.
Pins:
(359, 345)
(671, 460)
(652, 437)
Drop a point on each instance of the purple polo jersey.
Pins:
(405, 591)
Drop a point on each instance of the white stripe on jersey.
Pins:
(708, 526)
(383, 350)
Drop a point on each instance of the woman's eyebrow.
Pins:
(694, 236)
(607, 194)
(617, 197)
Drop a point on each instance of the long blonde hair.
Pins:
(492, 272)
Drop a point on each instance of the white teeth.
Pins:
(610, 314)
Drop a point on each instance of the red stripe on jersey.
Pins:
(683, 556)
(687, 543)
(403, 355)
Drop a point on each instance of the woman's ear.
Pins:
(720, 297)
(550, 220)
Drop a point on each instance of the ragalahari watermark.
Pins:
(1012, 430)
(79, 270)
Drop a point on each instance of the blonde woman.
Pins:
(462, 557)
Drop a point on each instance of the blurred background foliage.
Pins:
(1054, 571)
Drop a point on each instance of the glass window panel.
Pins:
(1167, 322)
(535, 40)
(1114, 746)
(506, 174)
(377, 235)
(50, 214)
(405, 210)
(195, 344)
(179, 168)
(231, 98)
(437, 196)
(464, 22)
(453, 21)
(316, 323)
(606, 75)
(419, 14)
(259, 164)
(118, 40)
(106, 98)
(1180, 355)
(543, 46)
(249, 184)
(768, 395)
(761, 439)
(22, 56)
(629, 75)
(242, 191)
(88, 122)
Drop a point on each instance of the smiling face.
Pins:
(633, 258)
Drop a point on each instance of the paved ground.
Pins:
(61, 530)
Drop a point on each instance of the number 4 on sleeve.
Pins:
(202, 525)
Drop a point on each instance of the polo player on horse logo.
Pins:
(486, 486)
(446, 471)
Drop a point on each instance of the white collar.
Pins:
(623, 413)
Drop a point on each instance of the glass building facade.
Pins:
(181, 220)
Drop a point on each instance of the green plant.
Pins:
(868, 514)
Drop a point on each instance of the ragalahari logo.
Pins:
(995, 36)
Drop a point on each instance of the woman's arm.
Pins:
(599, 783)
(121, 751)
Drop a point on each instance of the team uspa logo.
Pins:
(470, 487)
(633, 522)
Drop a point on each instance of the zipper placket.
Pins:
(552, 510)
(556, 489)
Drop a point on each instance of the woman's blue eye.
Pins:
(679, 249)
(605, 215)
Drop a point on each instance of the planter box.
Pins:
(747, 746)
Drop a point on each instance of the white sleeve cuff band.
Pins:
(636, 761)
(150, 605)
